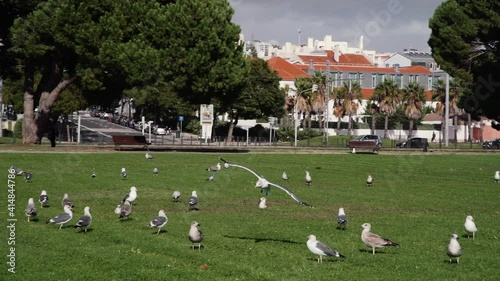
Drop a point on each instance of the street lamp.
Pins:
(296, 115)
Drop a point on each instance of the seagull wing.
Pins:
(158, 221)
(242, 167)
(289, 192)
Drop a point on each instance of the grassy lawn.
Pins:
(417, 200)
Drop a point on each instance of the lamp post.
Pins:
(296, 115)
(327, 101)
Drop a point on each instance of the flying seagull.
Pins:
(321, 249)
(470, 226)
(124, 173)
(454, 250)
(342, 219)
(85, 220)
(43, 199)
(28, 176)
(497, 176)
(308, 178)
(155, 171)
(193, 202)
(176, 195)
(373, 240)
(284, 176)
(264, 184)
(160, 221)
(195, 235)
(125, 210)
(131, 196)
(63, 218)
(149, 156)
(30, 210)
(369, 180)
(214, 168)
(262, 203)
(67, 202)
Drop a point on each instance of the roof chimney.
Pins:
(311, 64)
(361, 42)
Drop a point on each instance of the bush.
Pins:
(18, 128)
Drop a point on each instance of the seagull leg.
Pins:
(458, 260)
(373, 250)
(61, 226)
(158, 231)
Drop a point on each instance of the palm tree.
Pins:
(352, 94)
(413, 102)
(388, 96)
(338, 109)
(374, 110)
(318, 98)
(303, 100)
(439, 95)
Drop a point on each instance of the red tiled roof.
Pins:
(286, 70)
(415, 69)
(344, 59)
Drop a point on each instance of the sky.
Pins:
(386, 25)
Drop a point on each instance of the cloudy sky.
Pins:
(387, 25)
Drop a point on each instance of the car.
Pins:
(492, 144)
(374, 138)
(413, 142)
(160, 131)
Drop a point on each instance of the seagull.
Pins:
(30, 210)
(28, 176)
(454, 250)
(308, 178)
(284, 176)
(369, 180)
(264, 184)
(373, 240)
(66, 201)
(193, 202)
(176, 195)
(497, 176)
(211, 178)
(84, 220)
(16, 170)
(149, 156)
(43, 199)
(226, 166)
(470, 226)
(195, 235)
(160, 221)
(131, 196)
(126, 209)
(155, 171)
(63, 218)
(124, 173)
(342, 219)
(321, 249)
(93, 174)
(262, 203)
(118, 209)
(214, 168)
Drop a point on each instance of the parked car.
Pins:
(492, 144)
(160, 131)
(372, 138)
(414, 142)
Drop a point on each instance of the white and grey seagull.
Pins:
(264, 183)
(454, 251)
(262, 203)
(176, 195)
(43, 199)
(125, 210)
(131, 196)
(28, 176)
(160, 221)
(470, 226)
(321, 249)
(85, 220)
(369, 180)
(497, 176)
(308, 178)
(124, 173)
(30, 210)
(284, 176)
(149, 156)
(215, 168)
(193, 202)
(373, 240)
(342, 219)
(155, 171)
(67, 202)
(195, 235)
(63, 218)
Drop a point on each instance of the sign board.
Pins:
(181, 118)
(207, 114)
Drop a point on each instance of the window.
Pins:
(374, 80)
(429, 83)
(393, 77)
(399, 80)
(417, 79)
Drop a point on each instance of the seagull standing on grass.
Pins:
(264, 184)
(308, 178)
(131, 196)
(155, 171)
(118, 209)
(470, 226)
(43, 199)
(160, 221)
(126, 210)
(211, 178)
(63, 218)
(30, 210)
(226, 166)
(93, 174)
(454, 250)
(373, 240)
(17, 171)
(284, 176)
(369, 180)
(124, 173)
(149, 156)
(215, 168)
(176, 195)
(195, 235)
(67, 202)
(85, 220)
(342, 219)
(193, 202)
(497, 176)
(321, 249)
(28, 176)
(262, 203)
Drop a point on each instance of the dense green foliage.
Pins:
(418, 200)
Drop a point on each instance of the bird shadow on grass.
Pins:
(376, 252)
(83, 230)
(466, 236)
(333, 259)
(258, 240)
(158, 233)
(34, 220)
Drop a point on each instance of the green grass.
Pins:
(417, 200)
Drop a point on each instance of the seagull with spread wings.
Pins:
(264, 183)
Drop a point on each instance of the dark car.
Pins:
(414, 142)
(492, 144)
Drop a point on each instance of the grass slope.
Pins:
(417, 200)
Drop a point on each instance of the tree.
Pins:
(319, 97)
(303, 98)
(388, 96)
(373, 109)
(439, 95)
(413, 102)
(473, 27)
(351, 94)
(339, 108)
(261, 96)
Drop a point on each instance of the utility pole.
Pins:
(447, 111)
(327, 101)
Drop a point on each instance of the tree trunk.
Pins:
(349, 126)
(232, 124)
(339, 122)
(386, 126)
(410, 130)
(455, 127)
(29, 128)
(374, 121)
(469, 126)
(481, 126)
